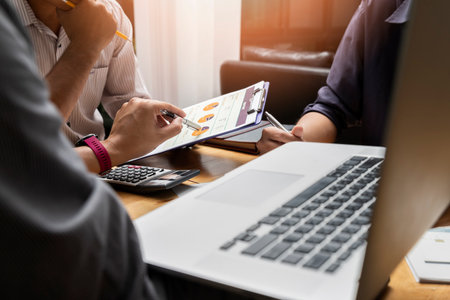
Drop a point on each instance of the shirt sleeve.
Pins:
(124, 80)
(340, 100)
(65, 234)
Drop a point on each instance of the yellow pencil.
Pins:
(118, 33)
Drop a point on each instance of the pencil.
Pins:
(118, 33)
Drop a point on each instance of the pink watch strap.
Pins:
(100, 152)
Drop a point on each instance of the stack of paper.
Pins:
(429, 260)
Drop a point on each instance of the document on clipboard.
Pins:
(220, 115)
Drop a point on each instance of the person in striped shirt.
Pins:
(86, 64)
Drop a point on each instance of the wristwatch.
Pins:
(91, 140)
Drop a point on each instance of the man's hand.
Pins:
(312, 127)
(139, 127)
(273, 137)
(89, 25)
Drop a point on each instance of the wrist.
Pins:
(100, 152)
(84, 51)
(115, 154)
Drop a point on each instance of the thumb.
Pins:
(173, 128)
(297, 131)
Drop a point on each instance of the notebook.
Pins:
(242, 140)
(324, 221)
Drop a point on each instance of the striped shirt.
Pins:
(114, 79)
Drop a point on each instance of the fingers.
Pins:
(298, 132)
(273, 137)
(278, 135)
(173, 128)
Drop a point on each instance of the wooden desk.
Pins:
(214, 162)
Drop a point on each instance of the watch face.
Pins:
(81, 142)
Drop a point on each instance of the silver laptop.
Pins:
(324, 221)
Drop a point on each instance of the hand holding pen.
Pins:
(275, 122)
(277, 135)
(188, 123)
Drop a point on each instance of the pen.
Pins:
(118, 33)
(186, 122)
(275, 122)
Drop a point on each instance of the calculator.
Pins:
(144, 179)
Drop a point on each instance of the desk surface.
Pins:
(214, 162)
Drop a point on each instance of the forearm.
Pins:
(68, 77)
(317, 128)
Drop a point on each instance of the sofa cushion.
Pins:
(322, 59)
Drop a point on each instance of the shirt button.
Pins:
(59, 45)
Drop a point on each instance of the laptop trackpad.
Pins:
(250, 188)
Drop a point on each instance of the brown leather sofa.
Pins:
(294, 77)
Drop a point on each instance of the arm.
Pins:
(138, 129)
(124, 80)
(90, 27)
(54, 215)
(338, 104)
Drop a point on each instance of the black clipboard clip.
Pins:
(260, 103)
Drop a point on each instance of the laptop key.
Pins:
(315, 220)
(331, 247)
(341, 237)
(317, 260)
(327, 229)
(346, 213)
(293, 237)
(325, 212)
(305, 228)
(305, 248)
(291, 221)
(277, 250)
(301, 214)
(245, 236)
(260, 244)
(269, 220)
(281, 212)
(316, 238)
(361, 220)
(345, 255)
(312, 206)
(227, 245)
(332, 268)
(253, 227)
(352, 228)
(293, 258)
(336, 221)
(309, 192)
(280, 229)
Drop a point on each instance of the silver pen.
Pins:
(186, 122)
(275, 122)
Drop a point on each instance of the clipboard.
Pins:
(218, 116)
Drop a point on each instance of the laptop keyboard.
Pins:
(322, 226)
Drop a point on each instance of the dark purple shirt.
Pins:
(359, 84)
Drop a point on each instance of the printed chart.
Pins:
(218, 116)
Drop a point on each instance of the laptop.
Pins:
(324, 221)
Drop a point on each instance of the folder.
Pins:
(220, 115)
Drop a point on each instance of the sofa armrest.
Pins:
(291, 87)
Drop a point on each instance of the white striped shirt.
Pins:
(114, 79)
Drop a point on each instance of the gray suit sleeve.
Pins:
(64, 234)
